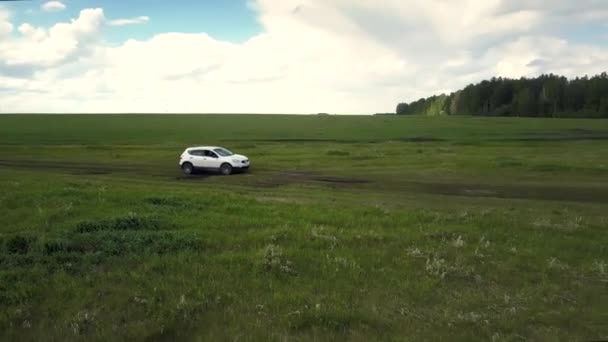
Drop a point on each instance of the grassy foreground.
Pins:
(358, 228)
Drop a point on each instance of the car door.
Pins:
(211, 160)
(197, 158)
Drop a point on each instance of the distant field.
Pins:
(359, 228)
(169, 130)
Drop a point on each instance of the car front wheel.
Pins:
(226, 169)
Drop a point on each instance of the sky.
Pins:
(282, 56)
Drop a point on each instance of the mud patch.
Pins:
(414, 139)
(287, 178)
(91, 172)
(564, 135)
(547, 192)
(71, 167)
(421, 139)
(527, 191)
(174, 202)
(338, 153)
(304, 140)
(80, 169)
(194, 177)
(338, 180)
(480, 192)
(514, 191)
(583, 131)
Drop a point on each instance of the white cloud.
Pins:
(130, 21)
(349, 56)
(542, 54)
(5, 25)
(36, 48)
(53, 6)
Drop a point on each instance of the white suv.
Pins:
(212, 158)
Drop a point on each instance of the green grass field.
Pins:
(348, 228)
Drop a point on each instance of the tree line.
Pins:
(543, 96)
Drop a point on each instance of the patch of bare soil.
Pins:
(548, 192)
(517, 191)
(75, 168)
(564, 135)
(286, 178)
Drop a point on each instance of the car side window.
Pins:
(210, 154)
(197, 153)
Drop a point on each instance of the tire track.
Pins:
(71, 167)
(275, 178)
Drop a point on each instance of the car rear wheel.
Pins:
(187, 168)
(226, 169)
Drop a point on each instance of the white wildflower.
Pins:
(600, 267)
(459, 242)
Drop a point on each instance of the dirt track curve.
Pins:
(271, 179)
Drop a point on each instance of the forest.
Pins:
(543, 96)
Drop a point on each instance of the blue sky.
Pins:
(230, 20)
(592, 34)
(282, 56)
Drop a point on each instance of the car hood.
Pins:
(239, 157)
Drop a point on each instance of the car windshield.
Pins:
(223, 152)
